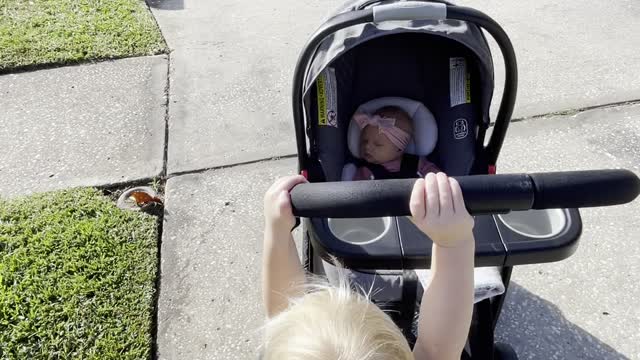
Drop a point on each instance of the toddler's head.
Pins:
(334, 323)
(385, 135)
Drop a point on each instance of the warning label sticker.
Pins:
(327, 87)
(459, 82)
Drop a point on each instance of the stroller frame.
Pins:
(486, 313)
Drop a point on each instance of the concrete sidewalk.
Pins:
(231, 68)
(571, 54)
(85, 125)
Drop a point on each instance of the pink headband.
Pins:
(386, 126)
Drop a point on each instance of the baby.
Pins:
(384, 137)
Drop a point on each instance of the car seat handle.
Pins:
(483, 194)
(410, 10)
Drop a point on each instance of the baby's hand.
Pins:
(277, 203)
(438, 210)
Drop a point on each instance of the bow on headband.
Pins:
(386, 126)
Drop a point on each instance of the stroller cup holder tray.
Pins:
(516, 238)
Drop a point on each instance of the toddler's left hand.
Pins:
(277, 203)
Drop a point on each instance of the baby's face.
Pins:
(376, 148)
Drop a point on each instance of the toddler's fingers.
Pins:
(276, 186)
(444, 191)
(433, 198)
(283, 201)
(291, 181)
(417, 202)
(456, 194)
(279, 181)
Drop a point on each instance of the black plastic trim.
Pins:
(511, 74)
(384, 254)
(526, 250)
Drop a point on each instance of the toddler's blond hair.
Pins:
(333, 323)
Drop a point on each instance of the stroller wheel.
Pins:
(502, 351)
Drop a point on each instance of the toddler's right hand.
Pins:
(438, 210)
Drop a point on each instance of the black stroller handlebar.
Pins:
(411, 10)
(482, 193)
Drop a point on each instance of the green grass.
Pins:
(77, 278)
(35, 32)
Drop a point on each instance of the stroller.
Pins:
(431, 59)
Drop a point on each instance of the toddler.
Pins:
(324, 322)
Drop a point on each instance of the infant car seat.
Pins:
(413, 69)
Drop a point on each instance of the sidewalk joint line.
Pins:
(571, 112)
(220, 167)
(163, 182)
(167, 94)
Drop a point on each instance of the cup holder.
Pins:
(538, 224)
(360, 231)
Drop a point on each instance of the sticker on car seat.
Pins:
(460, 129)
(327, 87)
(459, 82)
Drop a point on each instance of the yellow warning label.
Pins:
(467, 88)
(322, 100)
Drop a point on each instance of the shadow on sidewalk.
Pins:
(166, 4)
(537, 329)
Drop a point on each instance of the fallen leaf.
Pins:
(142, 198)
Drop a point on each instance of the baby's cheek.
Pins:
(392, 151)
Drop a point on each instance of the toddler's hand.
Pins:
(277, 203)
(438, 210)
